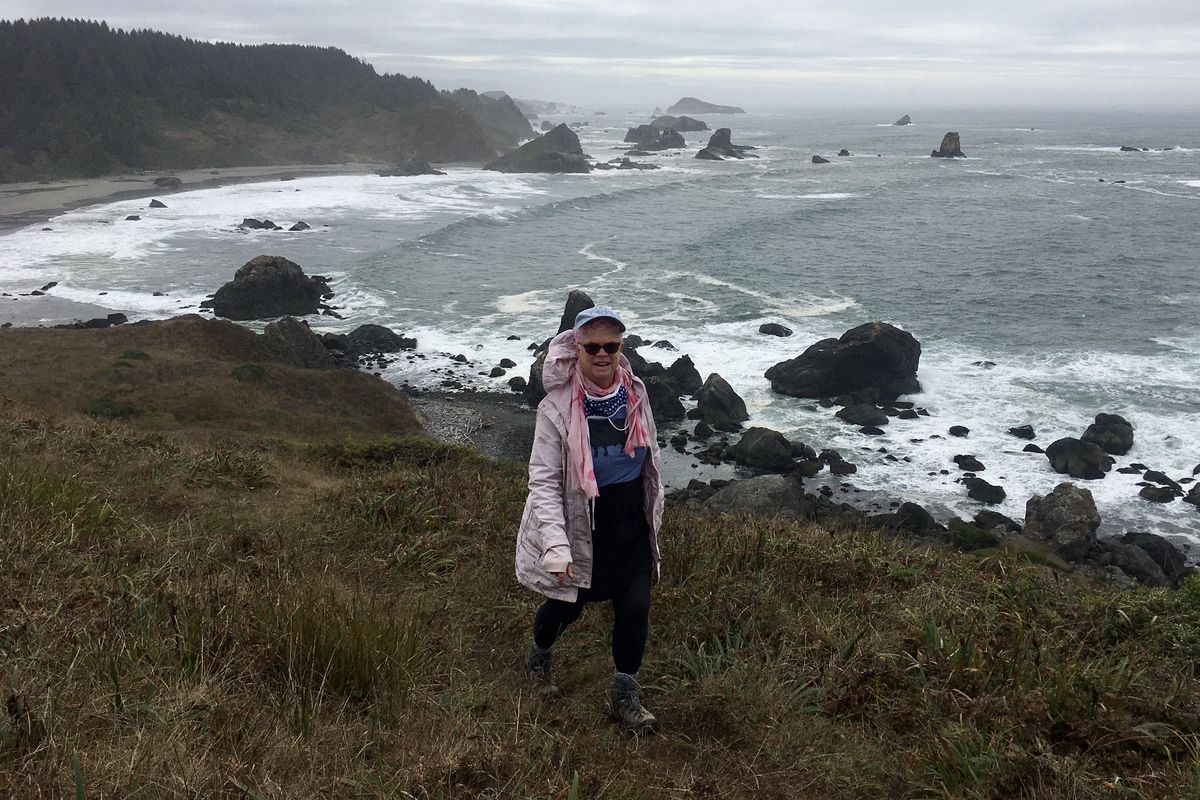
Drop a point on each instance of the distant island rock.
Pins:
(819, 160)
(681, 124)
(557, 150)
(692, 105)
(951, 148)
(905, 120)
(720, 147)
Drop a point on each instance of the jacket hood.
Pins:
(561, 361)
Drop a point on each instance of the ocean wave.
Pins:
(813, 196)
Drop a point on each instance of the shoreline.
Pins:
(31, 203)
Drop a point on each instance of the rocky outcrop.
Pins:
(408, 167)
(684, 375)
(157, 204)
(1111, 432)
(691, 105)
(648, 138)
(719, 405)
(875, 356)
(664, 400)
(267, 287)
(681, 124)
(1078, 459)
(1131, 560)
(766, 495)
(291, 341)
(1066, 518)
(168, 182)
(763, 448)
(1022, 432)
(819, 160)
(905, 120)
(951, 147)
(577, 301)
(558, 150)
(862, 414)
(1162, 552)
(720, 147)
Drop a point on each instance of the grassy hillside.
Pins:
(256, 587)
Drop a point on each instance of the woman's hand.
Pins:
(560, 577)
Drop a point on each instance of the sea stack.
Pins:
(903, 121)
(951, 148)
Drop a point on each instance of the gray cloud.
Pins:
(632, 52)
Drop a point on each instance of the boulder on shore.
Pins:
(684, 375)
(765, 495)
(984, 492)
(719, 405)
(875, 356)
(664, 399)
(1111, 432)
(557, 150)
(1162, 552)
(1079, 459)
(1067, 518)
(951, 147)
(268, 287)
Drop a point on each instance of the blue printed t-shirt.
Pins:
(608, 431)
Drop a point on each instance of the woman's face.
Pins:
(601, 368)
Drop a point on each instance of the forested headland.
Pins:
(80, 99)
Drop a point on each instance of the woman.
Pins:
(590, 528)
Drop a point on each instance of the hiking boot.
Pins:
(625, 707)
(538, 664)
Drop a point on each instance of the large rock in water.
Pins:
(557, 150)
(719, 405)
(951, 147)
(763, 448)
(371, 338)
(267, 287)
(1082, 460)
(681, 124)
(648, 137)
(872, 356)
(720, 147)
(1067, 518)
(1112, 433)
(905, 120)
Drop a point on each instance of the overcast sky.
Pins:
(755, 53)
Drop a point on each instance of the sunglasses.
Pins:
(594, 348)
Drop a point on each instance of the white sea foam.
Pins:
(812, 196)
(1193, 184)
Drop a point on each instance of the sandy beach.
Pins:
(24, 204)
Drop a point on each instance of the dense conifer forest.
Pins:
(78, 98)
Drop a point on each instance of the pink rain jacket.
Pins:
(556, 528)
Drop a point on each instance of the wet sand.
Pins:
(33, 203)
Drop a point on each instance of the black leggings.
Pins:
(631, 621)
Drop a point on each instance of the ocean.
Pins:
(1068, 264)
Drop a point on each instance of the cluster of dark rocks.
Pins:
(649, 138)
(681, 124)
(253, 224)
(267, 287)
(1125, 148)
(558, 151)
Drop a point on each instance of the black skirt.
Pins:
(621, 539)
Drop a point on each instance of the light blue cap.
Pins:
(597, 312)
